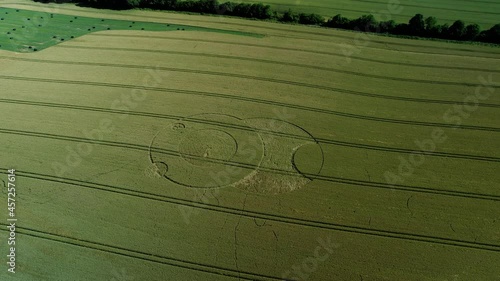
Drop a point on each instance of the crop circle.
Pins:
(207, 151)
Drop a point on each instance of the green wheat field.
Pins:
(163, 146)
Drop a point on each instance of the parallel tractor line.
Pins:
(239, 58)
(332, 112)
(139, 255)
(309, 32)
(266, 216)
(249, 129)
(172, 153)
(353, 57)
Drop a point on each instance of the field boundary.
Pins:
(297, 31)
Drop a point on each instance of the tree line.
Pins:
(420, 27)
(417, 26)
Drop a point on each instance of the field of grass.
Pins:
(484, 13)
(24, 31)
(150, 155)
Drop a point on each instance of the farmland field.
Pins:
(296, 153)
(24, 32)
(484, 13)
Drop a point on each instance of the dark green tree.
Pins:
(416, 25)
(430, 23)
(442, 31)
(338, 21)
(471, 32)
(311, 19)
(457, 30)
(365, 23)
(290, 16)
(492, 35)
(226, 8)
(387, 26)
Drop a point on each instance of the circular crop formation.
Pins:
(291, 157)
(216, 150)
(199, 145)
(206, 151)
